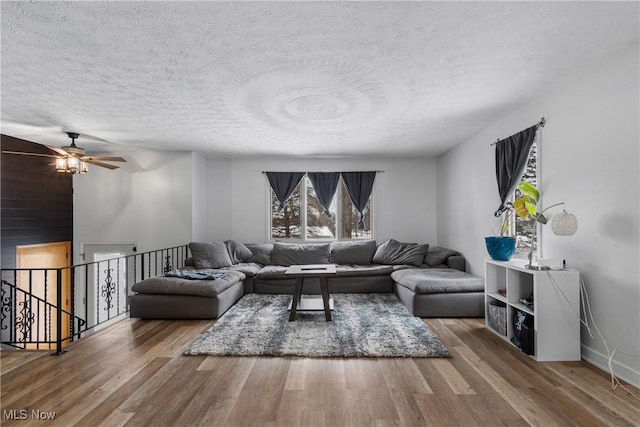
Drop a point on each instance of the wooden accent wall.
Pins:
(36, 201)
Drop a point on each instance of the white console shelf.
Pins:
(556, 326)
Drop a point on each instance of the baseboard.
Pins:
(600, 360)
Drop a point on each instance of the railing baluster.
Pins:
(72, 317)
(117, 287)
(97, 267)
(59, 312)
(23, 316)
(86, 292)
(38, 332)
(48, 325)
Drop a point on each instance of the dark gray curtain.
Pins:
(284, 184)
(511, 160)
(359, 186)
(325, 185)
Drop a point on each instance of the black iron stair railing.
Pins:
(97, 293)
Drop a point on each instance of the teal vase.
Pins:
(501, 248)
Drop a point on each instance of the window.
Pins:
(525, 229)
(314, 223)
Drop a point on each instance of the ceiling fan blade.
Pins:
(108, 159)
(104, 165)
(28, 154)
(57, 150)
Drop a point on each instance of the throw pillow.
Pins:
(438, 255)
(210, 254)
(238, 252)
(287, 254)
(261, 253)
(353, 253)
(393, 252)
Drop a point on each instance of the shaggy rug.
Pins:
(364, 325)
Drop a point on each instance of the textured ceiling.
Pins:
(290, 78)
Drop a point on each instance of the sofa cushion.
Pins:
(249, 269)
(353, 252)
(288, 254)
(363, 270)
(238, 252)
(393, 252)
(180, 286)
(437, 280)
(272, 272)
(210, 254)
(438, 255)
(261, 253)
(278, 271)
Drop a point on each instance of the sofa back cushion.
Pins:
(287, 254)
(210, 254)
(261, 253)
(238, 252)
(357, 252)
(438, 255)
(393, 252)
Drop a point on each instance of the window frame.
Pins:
(336, 206)
(513, 223)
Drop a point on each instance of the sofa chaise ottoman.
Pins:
(165, 297)
(438, 292)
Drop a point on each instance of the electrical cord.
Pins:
(586, 309)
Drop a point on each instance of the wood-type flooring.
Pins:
(134, 374)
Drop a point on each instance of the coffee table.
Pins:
(301, 272)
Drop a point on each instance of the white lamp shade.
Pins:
(564, 224)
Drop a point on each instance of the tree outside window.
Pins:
(350, 217)
(286, 224)
(525, 229)
(342, 224)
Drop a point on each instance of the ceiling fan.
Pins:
(72, 158)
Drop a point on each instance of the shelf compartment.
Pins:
(496, 278)
(519, 285)
(523, 307)
(497, 296)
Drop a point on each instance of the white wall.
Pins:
(199, 196)
(158, 199)
(404, 196)
(219, 207)
(590, 159)
(148, 201)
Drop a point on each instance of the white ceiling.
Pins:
(291, 78)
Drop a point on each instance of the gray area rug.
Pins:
(364, 325)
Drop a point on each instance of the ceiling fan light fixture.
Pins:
(73, 164)
(61, 164)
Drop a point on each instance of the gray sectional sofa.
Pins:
(431, 282)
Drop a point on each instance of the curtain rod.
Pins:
(541, 123)
(378, 171)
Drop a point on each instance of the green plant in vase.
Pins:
(502, 247)
(525, 206)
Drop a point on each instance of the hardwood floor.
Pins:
(134, 374)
